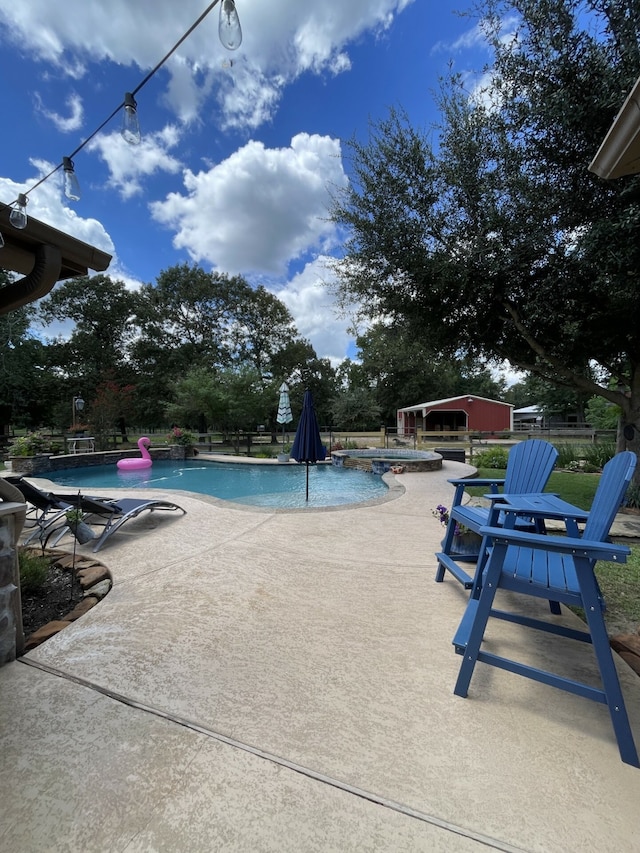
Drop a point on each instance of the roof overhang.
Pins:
(44, 256)
(619, 154)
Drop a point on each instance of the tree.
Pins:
(109, 410)
(23, 396)
(499, 243)
(210, 320)
(553, 400)
(405, 369)
(198, 393)
(101, 310)
(190, 317)
(356, 408)
(263, 328)
(231, 399)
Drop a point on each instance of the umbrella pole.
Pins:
(307, 498)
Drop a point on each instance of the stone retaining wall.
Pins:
(45, 463)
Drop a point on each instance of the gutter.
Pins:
(35, 285)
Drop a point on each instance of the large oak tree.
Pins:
(492, 238)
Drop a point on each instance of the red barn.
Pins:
(454, 414)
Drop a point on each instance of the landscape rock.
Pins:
(44, 633)
(93, 575)
(100, 589)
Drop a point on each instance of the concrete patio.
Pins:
(283, 681)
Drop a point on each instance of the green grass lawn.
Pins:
(620, 582)
(577, 489)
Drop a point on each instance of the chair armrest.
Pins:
(560, 544)
(477, 481)
(502, 496)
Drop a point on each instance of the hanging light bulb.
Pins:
(71, 183)
(229, 26)
(18, 215)
(130, 124)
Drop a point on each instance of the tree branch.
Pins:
(561, 372)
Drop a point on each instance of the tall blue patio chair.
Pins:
(529, 467)
(555, 568)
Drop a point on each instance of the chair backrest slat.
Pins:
(43, 501)
(529, 467)
(614, 480)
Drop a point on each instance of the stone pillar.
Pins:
(177, 451)
(11, 634)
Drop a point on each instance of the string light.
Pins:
(232, 40)
(71, 183)
(229, 25)
(18, 215)
(130, 124)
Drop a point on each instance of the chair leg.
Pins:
(447, 545)
(480, 566)
(480, 610)
(606, 664)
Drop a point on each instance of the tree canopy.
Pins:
(491, 238)
(179, 348)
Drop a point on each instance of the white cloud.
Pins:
(64, 125)
(128, 163)
(281, 40)
(312, 305)
(258, 209)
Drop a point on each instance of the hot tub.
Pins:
(381, 461)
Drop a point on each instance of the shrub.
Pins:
(598, 455)
(632, 498)
(180, 436)
(568, 454)
(594, 456)
(74, 515)
(28, 445)
(493, 457)
(33, 571)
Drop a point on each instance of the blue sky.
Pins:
(239, 149)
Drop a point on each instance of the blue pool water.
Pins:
(277, 486)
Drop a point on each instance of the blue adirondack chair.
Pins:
(561, 569)
(529, 467)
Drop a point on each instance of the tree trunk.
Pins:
(628, 437)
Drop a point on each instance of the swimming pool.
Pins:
(276, 486)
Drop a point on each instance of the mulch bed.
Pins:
(58, 595)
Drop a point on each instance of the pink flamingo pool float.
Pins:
(139, 462)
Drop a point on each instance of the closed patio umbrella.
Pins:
(307, 445)
(284, 409)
